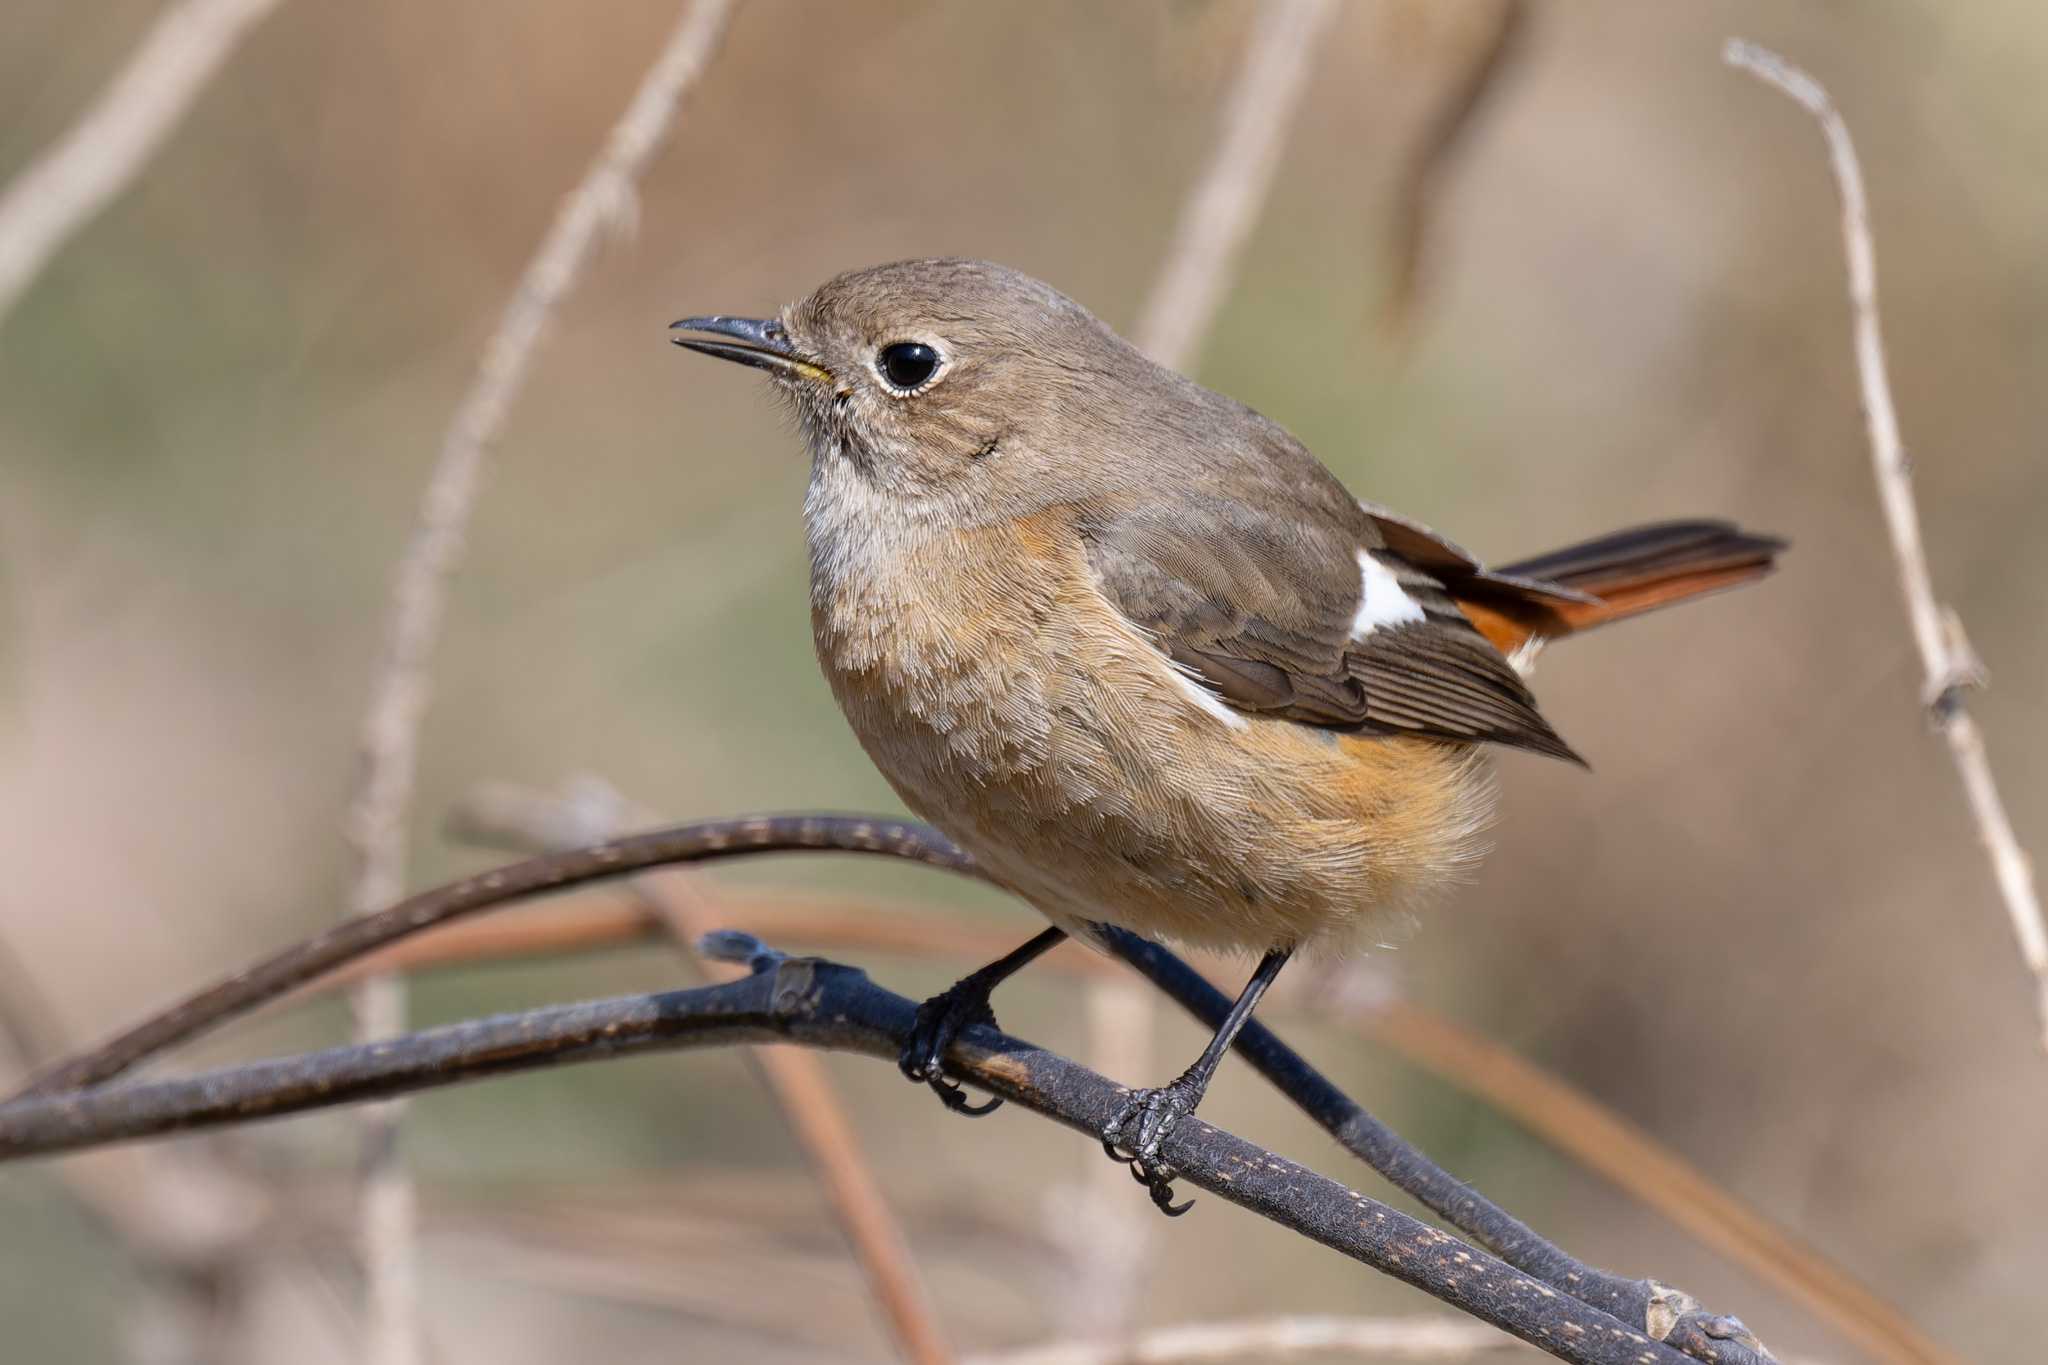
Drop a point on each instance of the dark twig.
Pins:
(1643, 1304)
(1548, 1107)
(703, 841)
(522, 821)
(823, 1004)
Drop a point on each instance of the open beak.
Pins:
(759, 342)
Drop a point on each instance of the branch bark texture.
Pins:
(824, 1004)
(1643, 1304)
(1951, 667)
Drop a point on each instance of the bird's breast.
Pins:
(1008, 702)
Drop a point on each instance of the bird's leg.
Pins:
(940, 1019)
(1144, 1121)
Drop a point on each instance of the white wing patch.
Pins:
(1523, 657)
(1204, 698)
(1381, 601)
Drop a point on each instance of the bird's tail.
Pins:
(1617, 576)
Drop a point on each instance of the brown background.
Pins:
(1761, 927)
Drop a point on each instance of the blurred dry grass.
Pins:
(1761, 928)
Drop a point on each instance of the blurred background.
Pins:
(1761, 928)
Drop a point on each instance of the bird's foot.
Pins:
(1134, 1135)
(939, 1021)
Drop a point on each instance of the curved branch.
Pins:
(824, 1004)
(1645, 1305)
(1950, 665)
(388, 742)
(1549, 1108)
(703, 841)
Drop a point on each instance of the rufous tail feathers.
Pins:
(1616, 576)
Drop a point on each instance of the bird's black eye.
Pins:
(907, 364)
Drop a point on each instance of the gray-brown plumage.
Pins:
(1129, 643)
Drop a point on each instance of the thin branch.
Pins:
(1105, 1237)
(795, 1080)
(1490, 54)
(1645, 1304)
(1609, 1145)
(68, 185)
(1950, 665)
(702, 841)
(189, 1223)
(1283, 1338)
(1218, 217)
(389, 744)
(823, 1004)
(1666, 1313)
(1552, 1109)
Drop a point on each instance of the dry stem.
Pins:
(591, 811)
(67, 186)
(823, 1004)
(382, 1071)
(1218, 217)
(390, 735)
(1107, 1237)
(1950, 666)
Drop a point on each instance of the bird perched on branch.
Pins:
(1128, 643)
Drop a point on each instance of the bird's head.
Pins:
(945, 379)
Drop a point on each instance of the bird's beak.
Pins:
(760, 342)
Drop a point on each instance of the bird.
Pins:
(1129, 644)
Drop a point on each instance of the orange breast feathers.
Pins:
(1047, 735)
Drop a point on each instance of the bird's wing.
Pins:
(1297, 602)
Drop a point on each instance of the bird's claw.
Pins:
(939, 1021)
(1134, 1135)
(954, 1096)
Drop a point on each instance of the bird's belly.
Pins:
(1059, 747)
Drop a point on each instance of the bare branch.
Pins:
(67, 186)
(1106, 1236)
(702, 841)
(389, 742)
(1950, 666)
(1643, 1303)
(795, 1080)
(1487, 55)
(823, 1004)
(189, 1223)
(1218, 217)
(1552, 1109)
(1666, 1313)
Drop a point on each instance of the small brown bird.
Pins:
(1129, 644)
